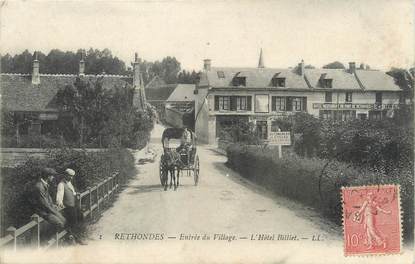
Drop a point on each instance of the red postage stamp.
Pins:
(372, 220)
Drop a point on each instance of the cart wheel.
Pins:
(196, 169)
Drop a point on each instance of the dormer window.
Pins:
(327, 83)
(239, 81)
(278, 82)
(221, 75)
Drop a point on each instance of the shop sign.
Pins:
(279, 138)
(348, 106)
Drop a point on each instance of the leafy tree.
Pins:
(58, 61)
(188, 77)
(334, 65)
(102, 117)
(404, 80)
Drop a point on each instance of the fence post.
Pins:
(12, 231)
(109, 187)
(36, 234)
(57, 239)
(79, 205)
(90, 203)
(98, 197)
(112, 186)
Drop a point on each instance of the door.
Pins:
(262, 129)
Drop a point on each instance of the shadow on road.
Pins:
(155, 188)
(145, 189)
(298, 208)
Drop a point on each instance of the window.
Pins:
(278, 82)
(279, 103)
(375, 115)
(239, 81)
(326, 114)
(261, 103)
(297, 104)
(221, 75)
(222, 103)
(328, 97)
(348, 97)
(344, 115)
(379, 98)
(233, 103)
(327, 83)
(362, 116)
(241, 103)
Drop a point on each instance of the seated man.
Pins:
(185, 143)
(42, 201)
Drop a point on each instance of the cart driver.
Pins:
(185, 142)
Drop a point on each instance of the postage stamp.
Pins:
(372, 220)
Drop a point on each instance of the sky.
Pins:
(230, 33)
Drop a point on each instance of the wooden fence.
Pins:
(88, 203)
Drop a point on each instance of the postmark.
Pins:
(372, 220)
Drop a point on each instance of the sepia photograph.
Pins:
(191, 131)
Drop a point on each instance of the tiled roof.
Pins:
(182, 93)
(377, 80)
(262, 78)
(255, 77)
(160, 93)
(19, 94)
(342, 79)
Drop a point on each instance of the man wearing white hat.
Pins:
(66, 198)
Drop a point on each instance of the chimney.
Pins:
(82, 65)
(352, 67)
(206, 64)
(301, 68)
(136, 70)
(35, 73)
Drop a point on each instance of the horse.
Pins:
(172, 163)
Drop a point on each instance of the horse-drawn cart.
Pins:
(178, 157)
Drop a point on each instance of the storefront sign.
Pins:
(348, 106)
(279, 138)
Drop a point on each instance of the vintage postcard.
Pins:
(153, 131)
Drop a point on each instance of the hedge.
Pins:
(90, 167)
(317, 182)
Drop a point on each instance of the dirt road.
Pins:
(223, 219)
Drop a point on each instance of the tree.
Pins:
(334, 65)
(405, 80)
(67, 62)
(188, 77)
(94, 116)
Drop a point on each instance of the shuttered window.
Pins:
(233, 103)
(249, 103)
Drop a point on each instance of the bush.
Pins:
(317, 182)
(379, 144)
(90, 167)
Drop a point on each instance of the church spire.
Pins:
(261, 60)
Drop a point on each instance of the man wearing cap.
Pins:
(42, 201)
(65, 198)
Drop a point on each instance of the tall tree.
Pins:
(405, 80)
(334, 65)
